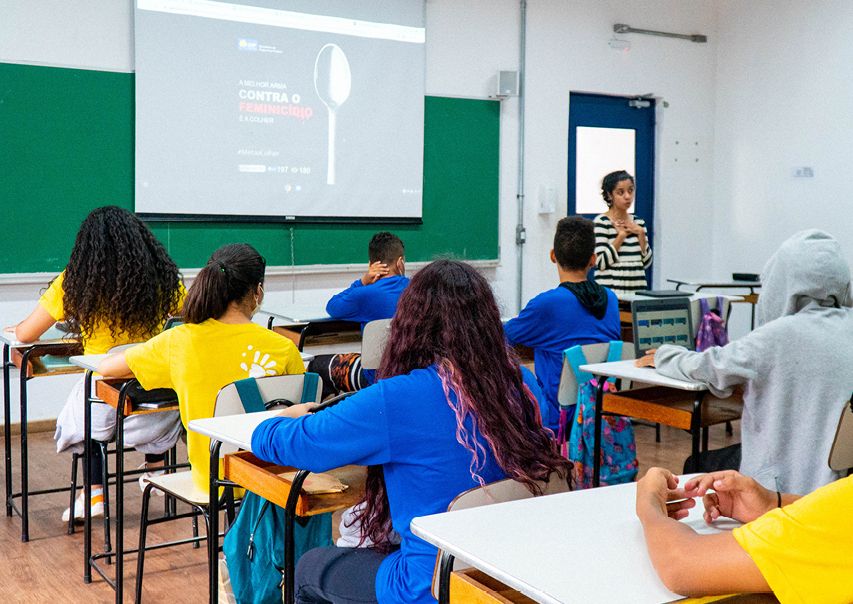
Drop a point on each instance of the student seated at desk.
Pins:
(450, 412)
(118, 287)
(372, 297)
(796, 368)
(217, 344)
(797, 547)
(577, 311)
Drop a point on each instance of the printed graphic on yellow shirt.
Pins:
(261, 364)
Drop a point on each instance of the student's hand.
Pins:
(737, 496)
(658, 487)
(375, 272)
(648, 360)
(295, 411)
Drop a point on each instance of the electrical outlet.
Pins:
(804, 172)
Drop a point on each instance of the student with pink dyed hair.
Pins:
(450, 412)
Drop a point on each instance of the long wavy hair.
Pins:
(119, 276)
(448, 317)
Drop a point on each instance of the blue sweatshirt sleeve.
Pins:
(355, 431)
(531, 326)
(346, 305)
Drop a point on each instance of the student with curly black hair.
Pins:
(119, 287)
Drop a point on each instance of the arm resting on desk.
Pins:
(721, 368)
(688, 563)
(32, 328)
(355, 431)
(115, 366)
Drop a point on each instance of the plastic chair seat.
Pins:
(181, 485)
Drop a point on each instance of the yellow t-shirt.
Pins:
(100, 340)
(805, 550)
(197, 360)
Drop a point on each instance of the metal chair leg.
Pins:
(105, 479)
(143, 532)
(195, 531)
(657, 433)
(75, 458)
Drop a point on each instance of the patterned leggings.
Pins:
(339, 372)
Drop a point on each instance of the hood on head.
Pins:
(808, 267)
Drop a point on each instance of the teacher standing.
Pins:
(621, 243)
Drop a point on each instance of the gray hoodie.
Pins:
(796, 367)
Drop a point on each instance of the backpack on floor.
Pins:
(618, 448)
(712, 328)
(254, 548)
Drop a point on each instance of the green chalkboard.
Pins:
(66, 146)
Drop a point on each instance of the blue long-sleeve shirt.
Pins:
(365, 303)
(551, 322)
(405, 424)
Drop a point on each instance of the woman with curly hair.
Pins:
(119, 287)
(450, 412)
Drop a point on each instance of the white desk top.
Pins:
(232, 429)
(51, 336)
(583, 546)
(687, 294)
(89, 362)
(298, 313)
(719, 284)
(626, 370)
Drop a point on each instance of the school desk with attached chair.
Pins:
(677, 403)
(300, 322)
(44, 357)
(268, 481)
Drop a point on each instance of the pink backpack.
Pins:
(712, 326)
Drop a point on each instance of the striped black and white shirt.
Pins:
(622, 270)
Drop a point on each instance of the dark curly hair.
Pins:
(574, 242)
(609, 182)
(119, 276)
(448, 317)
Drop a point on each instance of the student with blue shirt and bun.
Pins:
(370, 298)
(576, 312)
(450, 412)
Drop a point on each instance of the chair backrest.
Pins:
(495, 492)
(696, 315)
(567, 394)
(841, 454)
(290, 387)
(373, 341)
(173, 321)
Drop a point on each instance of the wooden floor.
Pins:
(49, 568)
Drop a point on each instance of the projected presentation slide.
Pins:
(283, 109)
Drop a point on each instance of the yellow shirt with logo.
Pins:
(197, 360)
(100, 340)
(805, 550)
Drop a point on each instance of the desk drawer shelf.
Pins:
(671, 407)
(108, 390)
(265, 479)
(471, 586)
(37, 368)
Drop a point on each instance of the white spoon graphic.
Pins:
(332, 81)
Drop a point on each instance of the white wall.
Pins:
(567, 51)
(783, 101)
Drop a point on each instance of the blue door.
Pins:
(608, 133)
